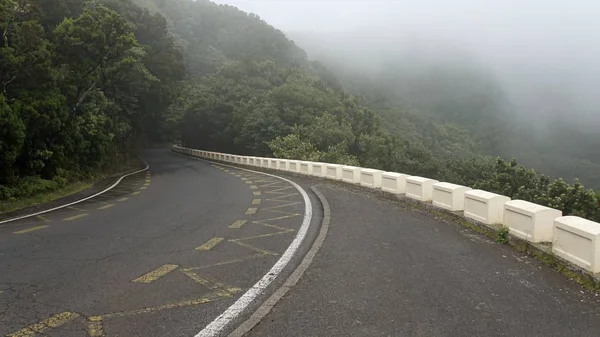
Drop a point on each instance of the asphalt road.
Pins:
(168, 251)
(163, 254)
(385, 270)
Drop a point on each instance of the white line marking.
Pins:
(220, 323)
(78, 201)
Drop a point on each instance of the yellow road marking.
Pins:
(278, 191)
(143, 188)
(210, 244)
(156, 273)
(106, 206)
(43, 218)
(282, 196)
(257, 193)
(290, 204)
(210, 285)
(75, 217)
(247, 245)
(238, 224)
(135, 193)
(123, 199)
(256, 201)
(1, 291)
(211, 297)
(249, 257)
(277, 218)
(251, 211)
(147, 184)
(249, 182)
(285, 231)
(75, 208)
(95, 326)
(253, 187)
(43, 325)
(244, 179)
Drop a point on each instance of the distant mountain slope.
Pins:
(212, 34)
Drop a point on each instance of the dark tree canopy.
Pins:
(84, 83)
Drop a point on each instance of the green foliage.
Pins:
(81, 83)
(502, 235)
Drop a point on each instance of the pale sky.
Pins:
(550, 40)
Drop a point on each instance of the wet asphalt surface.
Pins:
(167, 260)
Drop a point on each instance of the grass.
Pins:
(44, 197)
(502, 235)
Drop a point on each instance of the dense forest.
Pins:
(86, 83)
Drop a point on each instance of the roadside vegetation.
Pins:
(219, 79)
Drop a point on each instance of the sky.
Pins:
(529, 43)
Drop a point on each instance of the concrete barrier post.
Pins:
(485, 206)
(293, 166)
(333, 171)
(283, 164)
(306, 167)
(370, 178)
(351, 174)
(393, 182)
(266, 162)
(449, 196)
(529, 221)
(420, 188)
(577, 240)
(274, 164)
(319, 169)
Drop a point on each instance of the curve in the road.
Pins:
(224, 320)
(76, 201)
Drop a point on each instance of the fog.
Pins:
(545, 55)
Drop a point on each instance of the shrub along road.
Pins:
(168, 251)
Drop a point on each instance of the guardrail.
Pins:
(574, 239)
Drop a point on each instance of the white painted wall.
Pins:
(576, 240)
(449, 196)
(485, 206)
(370, 178)
(530, 221)
(393, 182)
(420, 188)
(319, 169)
(351, 174)
(334, 171)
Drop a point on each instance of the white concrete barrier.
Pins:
(577, 240)
(305, 167)
(393, 182)
(245, 160)
(319, 169)
(449, 196)
(283, 164)
(293, 166)
(333, 171)
(420, 188)
(370, 178)
(274, 164)
(529, 221)
(351, 174)
(266, 162)
(485, 206)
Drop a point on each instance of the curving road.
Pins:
(169, 250)
(162, 254)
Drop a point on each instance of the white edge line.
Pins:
(220, 323)
(77, 201)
